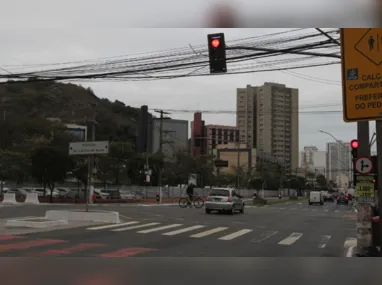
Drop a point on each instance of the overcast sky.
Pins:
(25, 46)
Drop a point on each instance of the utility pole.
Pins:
(378, 126)
(91, 159)
(364, 209)
(161, 142)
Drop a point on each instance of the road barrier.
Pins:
(9, 198)
(32, 198)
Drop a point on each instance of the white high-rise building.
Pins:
(313, 160)
(338, 163)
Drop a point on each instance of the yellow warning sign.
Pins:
(361, 59)
(365, 190)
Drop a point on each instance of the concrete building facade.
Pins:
(338, 161)
(267, 119)
(174, 136)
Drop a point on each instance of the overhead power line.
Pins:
(289, 48)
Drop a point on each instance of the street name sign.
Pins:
(361, 61)
(364, 165)
(88, 148)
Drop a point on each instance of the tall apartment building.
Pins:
(267, 119)
(198, 137)
(220, 135)
(338, 160)
(313, 160)
(204, 138)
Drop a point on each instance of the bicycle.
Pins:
(197, 202)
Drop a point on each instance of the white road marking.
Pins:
(349, 242)
(336, 211)
(160, 228)
(291, 239)
(111, 226)
(135, 227)
(209, 232)
(173, 233)
(236, 234)
(323, 241)
(264, 236)
(326, 210)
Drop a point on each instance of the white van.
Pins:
(316, 197)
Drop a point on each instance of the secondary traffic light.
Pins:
(217, 53)
(354, 148)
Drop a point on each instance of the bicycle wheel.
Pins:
(183, 202)
(198, 202)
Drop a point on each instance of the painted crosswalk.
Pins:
(221, 233)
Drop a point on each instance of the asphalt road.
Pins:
(293, 229)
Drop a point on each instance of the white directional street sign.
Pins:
(87, 148)
(363, 165)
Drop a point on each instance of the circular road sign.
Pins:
(363, 165)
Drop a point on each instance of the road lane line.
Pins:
(159, 229)
(291, 239)
(209, 232)
(173, 233)
(264, 236)
(323, 241)
(111, 226)
(336, 211)
(236, 234)
(135, 227)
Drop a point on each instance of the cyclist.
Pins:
(190, 193)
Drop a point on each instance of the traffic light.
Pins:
(217, 54)
(354, 148)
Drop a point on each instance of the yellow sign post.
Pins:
(361, 60)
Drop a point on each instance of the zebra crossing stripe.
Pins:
(159, 229)
(135, 227)
(111, 226)
(173, 233)
(209, 232)
(236, 234)
(323, 241)
(291, 239)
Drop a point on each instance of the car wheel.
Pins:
(242, 209)
(208, 211)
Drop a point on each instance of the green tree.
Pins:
(321, 181)
(50, 165)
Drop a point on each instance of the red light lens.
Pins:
(354, 144)
(215, 43)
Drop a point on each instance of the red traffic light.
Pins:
(354, 143)
(215, 43)
(374, 181)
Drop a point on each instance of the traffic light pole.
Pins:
(364, 209)
(379, 180)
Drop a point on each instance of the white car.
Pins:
(224, 199)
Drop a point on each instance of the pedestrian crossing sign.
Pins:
(361, 60)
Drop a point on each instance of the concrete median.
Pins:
(32, 198)
(9, 198)
(93, 216)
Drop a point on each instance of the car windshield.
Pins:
(219, 192)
